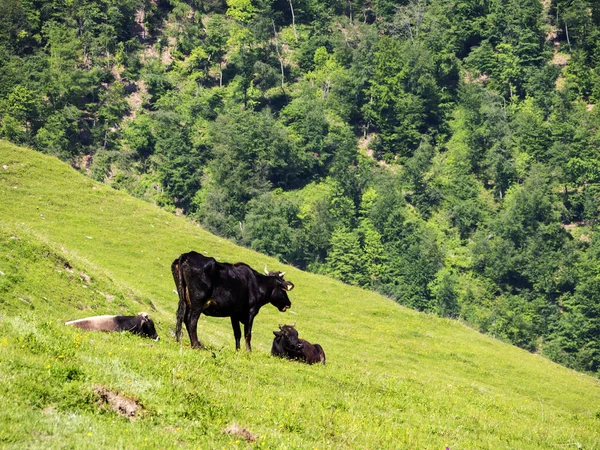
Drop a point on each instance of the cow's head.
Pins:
(289, 339)
(147, 326)
(279, 297)
(287, 285)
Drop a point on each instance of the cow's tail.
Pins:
(182, 307)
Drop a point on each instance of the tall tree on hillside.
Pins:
(405, 97)
(251, 153)
(345, 259)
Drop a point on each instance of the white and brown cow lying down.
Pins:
(287, 345)
(140, 324)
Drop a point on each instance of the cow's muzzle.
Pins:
(285, 308)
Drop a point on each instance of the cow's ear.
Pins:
(144, 316)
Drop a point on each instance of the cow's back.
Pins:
(313, 353)
(195, 262)
(320, 354)
(198, 271)
(97, 323)
(222, 289)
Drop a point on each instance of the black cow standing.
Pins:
(288, 345)
(224, 290)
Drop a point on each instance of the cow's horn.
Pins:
(266, 271)
(144, 315)
(281, 274)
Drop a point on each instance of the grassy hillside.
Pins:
(70, 248)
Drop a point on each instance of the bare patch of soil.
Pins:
(235, 430)
(108, 297)
(166, 57)
(560, 59)
(48, 410)
(118, 402)
(85, 277)
(552, 35)
(83, 162)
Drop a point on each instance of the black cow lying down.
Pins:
(206, 286)
(140, 324)
(287, 345)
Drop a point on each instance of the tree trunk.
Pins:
(293, 21)
(280, 58)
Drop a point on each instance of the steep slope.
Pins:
(70, 247)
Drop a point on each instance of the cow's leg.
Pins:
(248, 333)
(186, 321)
(192, 327)
(237, 333)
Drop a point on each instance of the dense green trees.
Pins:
(444, 154)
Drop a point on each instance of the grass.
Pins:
(71, 248)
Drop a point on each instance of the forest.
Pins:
(443, 153)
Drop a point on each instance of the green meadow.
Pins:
(394, 379)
